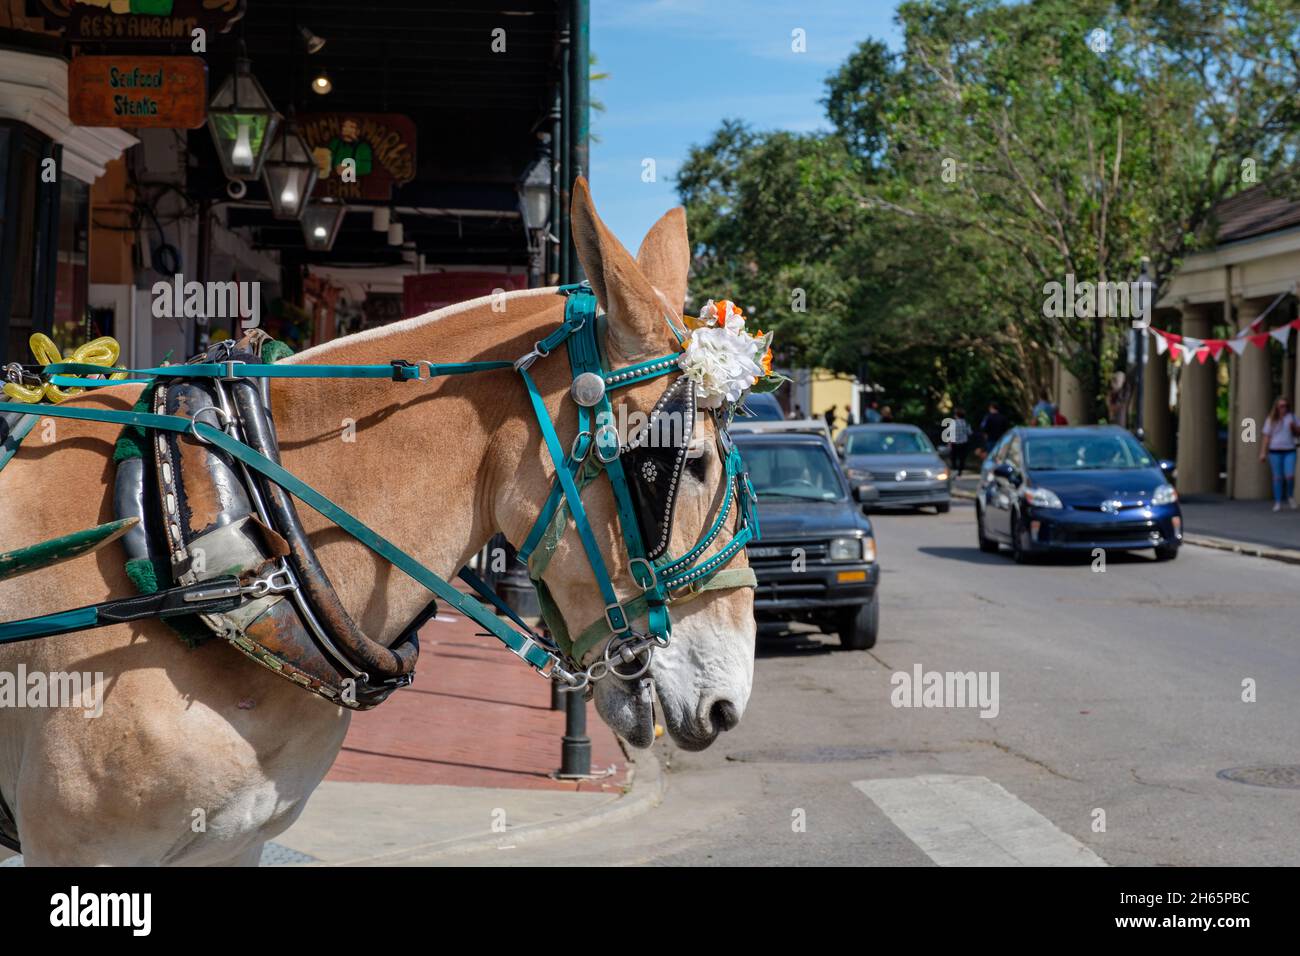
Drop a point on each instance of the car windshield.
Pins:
(1084, 452)
(803, 471)
(887, 441)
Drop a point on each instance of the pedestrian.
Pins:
(872, 414)
(959, 446)
(1044, 413)
(829, 415)
(848, 415)
(798, 413)
(994, 425)
(1280, 431)
(886, 414)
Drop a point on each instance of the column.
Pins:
(1252, 392)
(1068, 396)
(1198, 469)
(1157, 418)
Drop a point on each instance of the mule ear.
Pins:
(665, 257)
(636, 325)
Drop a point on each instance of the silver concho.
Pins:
(587, 389)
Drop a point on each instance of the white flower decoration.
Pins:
(721, 357)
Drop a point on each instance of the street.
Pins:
(1120, 700)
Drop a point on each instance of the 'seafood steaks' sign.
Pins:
(170, 92)
(136, 21)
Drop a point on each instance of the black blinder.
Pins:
(653, 462)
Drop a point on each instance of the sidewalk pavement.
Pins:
(464, 758)
(1215, 521)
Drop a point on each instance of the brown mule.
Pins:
(200, 756)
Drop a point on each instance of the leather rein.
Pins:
(597, 448)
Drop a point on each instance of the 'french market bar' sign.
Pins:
(136, 20)
(129, 90)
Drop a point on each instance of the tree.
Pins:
(1006, 146)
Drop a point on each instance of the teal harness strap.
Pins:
(591, 453)
(521, 644)
(15, 437)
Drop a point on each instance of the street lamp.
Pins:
(321, 220)
(242, 122)
(289, 173)
(535, 206)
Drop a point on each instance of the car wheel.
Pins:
(859, 625)
(987, 545)
(1019, 553)
(1166, 552)
(943, 508)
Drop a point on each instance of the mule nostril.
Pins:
(724, 715)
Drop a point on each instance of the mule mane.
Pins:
(394, 329)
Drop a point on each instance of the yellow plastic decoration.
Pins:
(101, 351)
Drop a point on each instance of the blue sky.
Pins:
(679, 67)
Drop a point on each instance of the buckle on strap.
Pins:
(610, 611)
(597, 445)
(400, 364)
(525, 362)
(654, 577)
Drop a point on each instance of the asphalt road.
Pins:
(1119, 701)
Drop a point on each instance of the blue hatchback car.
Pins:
(1076, 489)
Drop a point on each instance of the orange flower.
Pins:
(767, 362)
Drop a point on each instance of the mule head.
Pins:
(704, 675)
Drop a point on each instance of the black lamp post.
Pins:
(1147, 304)
(242, 122)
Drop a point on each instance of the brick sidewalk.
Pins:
(476, 716)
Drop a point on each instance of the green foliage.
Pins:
(997, 152)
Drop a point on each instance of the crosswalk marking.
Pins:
(972, 821)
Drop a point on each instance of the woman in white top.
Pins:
(1279, 447)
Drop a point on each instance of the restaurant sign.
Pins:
(161, 91)
(361, 155)
(135, 21)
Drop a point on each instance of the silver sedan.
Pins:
(894, 466)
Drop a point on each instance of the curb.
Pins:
(1242, 547)
(1284, 555)
(646, 787)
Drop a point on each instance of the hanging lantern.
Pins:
(242, 122)
(535, 192)
(321, 221)
(289, 173)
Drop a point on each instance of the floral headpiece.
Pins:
(723, 358)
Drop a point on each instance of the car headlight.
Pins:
(1042, 498)
(857, 474)
(846, 549)
(1164, 495)
(940, 475)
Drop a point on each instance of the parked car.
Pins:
(816, 560)
(1076, 489)
(899, 464)
(762, 407)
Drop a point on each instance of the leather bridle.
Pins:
(663, 580)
